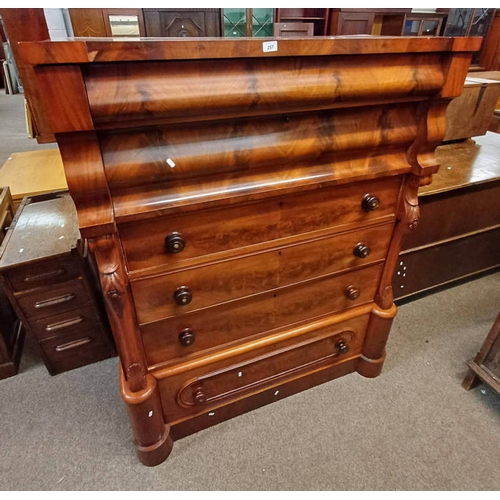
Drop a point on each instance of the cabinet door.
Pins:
(247, 22)
(182, 22)
(355, 23)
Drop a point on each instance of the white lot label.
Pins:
(270, 46)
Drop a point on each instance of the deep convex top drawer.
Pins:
(172, 240)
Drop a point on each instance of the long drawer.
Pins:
(186, 393)
(170, 241)
(194, 333)
(180, 292)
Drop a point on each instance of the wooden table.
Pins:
(459, 229)
(33, 172)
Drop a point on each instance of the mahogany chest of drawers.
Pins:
(47, 276)
(245, 201)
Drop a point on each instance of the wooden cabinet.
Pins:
(351, 21)
(246, 208)
(182, 22)
(237, 23)
(11, 329)
(318, 18)
(47, 276)
(459, 233)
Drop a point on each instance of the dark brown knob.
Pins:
(370, 203)
(361, 250)
(351, 292)
(186, 337)
(342, 347)
(182, 296)
(199, 396)
(174, 243)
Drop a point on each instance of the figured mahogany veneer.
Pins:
(245, 208)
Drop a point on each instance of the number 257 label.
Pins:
(270, 46)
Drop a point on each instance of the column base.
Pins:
(156, 453)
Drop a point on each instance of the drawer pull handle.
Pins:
(44, 276)
(370, 203)
(351, 292)
(54, 301)
(64, 324)
(186, 337)
(182, 296)
(73, 344)
(342, 347)
(174, 243)
(361, 250)
(199, 396)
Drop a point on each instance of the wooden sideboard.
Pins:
(245, 203)
(459, 234)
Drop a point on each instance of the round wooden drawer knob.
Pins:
(361, 250)
(174, 243)
(342, 347)
(351, 292)
(186, 337)
(370, 203)
(182, 296)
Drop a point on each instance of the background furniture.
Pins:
(246, 248)
(182, 22)
(11, 329)
(460, 212)
(318, 17)
(293, 30)
(238, 23)
(46, 273)
(33, 172)
(471, 114)
(485, 366)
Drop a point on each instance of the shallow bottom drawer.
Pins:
(69, 351)
(186, 394)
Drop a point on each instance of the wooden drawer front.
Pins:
(224, 281)
(75, 320)
(76, 348)
(54, 300)
(241, 319)
(215, 231)
(193, 392)
(46, 273)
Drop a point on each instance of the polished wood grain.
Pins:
(279, 370)
(154, 297)
(174, 91)
(132, 204)
(251, 317)
(264, 159)
(101, 50)
(219, 230)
